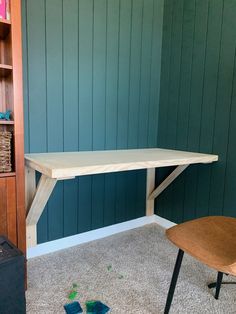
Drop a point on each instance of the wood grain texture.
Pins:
(43, 192)
(16, 34)
(3, 207)
(86, 163)
(150, 186)
(30, 187)
(211, 240)
(12, 233)
(60, 165)
(8, 208)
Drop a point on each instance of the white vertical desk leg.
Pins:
(150, 186)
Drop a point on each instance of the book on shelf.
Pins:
(8, 14)
(3, 9)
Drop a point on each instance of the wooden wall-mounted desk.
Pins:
(65, 166)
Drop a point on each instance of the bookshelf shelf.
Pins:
(4, 122)
(5, 27)
(5, 70)
(7, 174)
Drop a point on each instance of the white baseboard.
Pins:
(165, 223)
(64, 243)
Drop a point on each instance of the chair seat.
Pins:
(211, 240)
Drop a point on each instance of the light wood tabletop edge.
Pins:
(113, 167)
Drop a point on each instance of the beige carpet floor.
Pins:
(130, 272)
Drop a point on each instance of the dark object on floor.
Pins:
(96, 307)
(73, 308)
(12, 278)
(212, 241)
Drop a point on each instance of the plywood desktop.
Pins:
(68, 165)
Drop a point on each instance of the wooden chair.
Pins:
(211, 240)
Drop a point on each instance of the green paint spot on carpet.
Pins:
(109, 267)
(72, 295)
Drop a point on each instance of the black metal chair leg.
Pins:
(174, 281)
(213, 284)
(218, 284)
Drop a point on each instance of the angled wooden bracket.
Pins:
(36, 202)
(178, 170)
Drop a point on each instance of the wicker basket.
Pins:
(5, 151)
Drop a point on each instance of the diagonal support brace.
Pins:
(178, 170)
(43, 192)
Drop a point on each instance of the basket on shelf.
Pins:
(5, 151)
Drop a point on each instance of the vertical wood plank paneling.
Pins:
(208, 102)
(186, 73)
(99, 105)
(112, 53)
(153, 113)
(70, 74)
(174, 85)
(123, 73)
(146, 51)
(134, 83)
(165, 70)
(184, 94)
(175, 65)
(134, 95)
(54, 108)
(222, 116)
(70, 102)
(37, 83)
(37, 89)
(230, 176)
(194, 124)
(144, 100)
(98, 186)
(109, 199)
(99, 74)
(92, 71)
(155, 73)
(164, 94)
(206, 108)
(113, 16)
(86, 10)
(123, 103)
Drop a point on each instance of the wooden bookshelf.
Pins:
(12, 205)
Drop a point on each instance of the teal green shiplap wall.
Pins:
(198, 105)
(91, 81)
